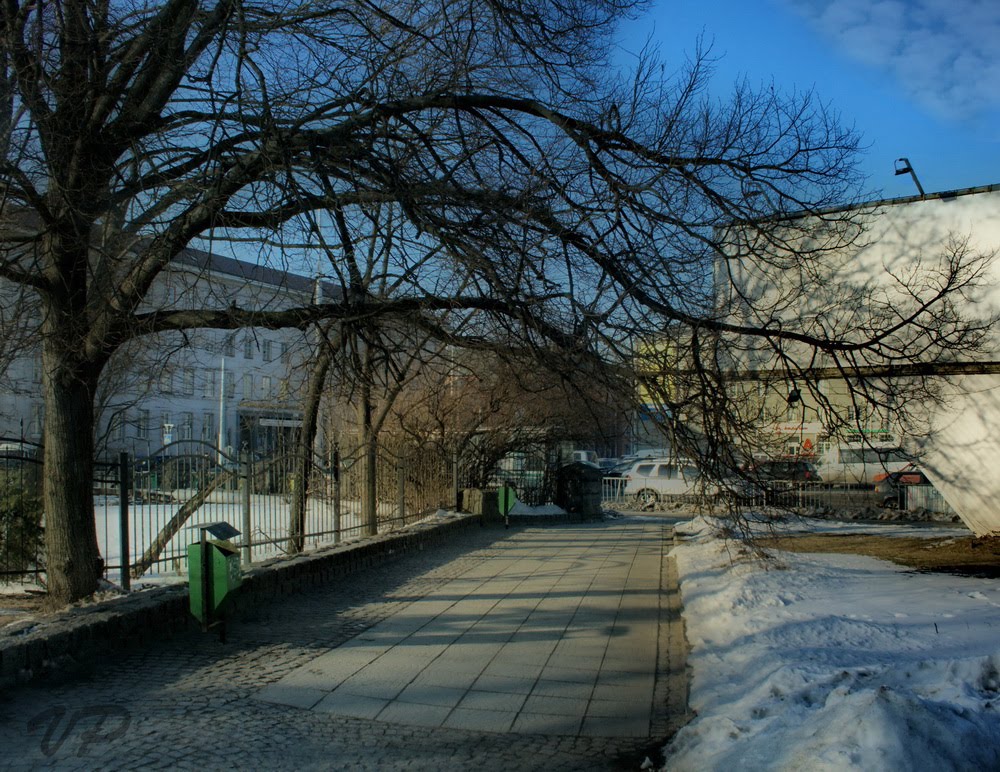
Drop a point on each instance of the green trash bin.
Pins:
(214, 573)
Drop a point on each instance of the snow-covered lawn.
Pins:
(835, 662)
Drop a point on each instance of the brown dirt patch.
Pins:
(963, 555)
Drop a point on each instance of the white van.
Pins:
(651, 479)
(858, 463)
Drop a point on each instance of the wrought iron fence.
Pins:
(149, 509)
(21, 518)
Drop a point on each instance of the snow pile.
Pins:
(832, 662)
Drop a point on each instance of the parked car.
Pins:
(620, 468)
(778, 481)
(859, 463)
(651, 479)
(891, 486)
(586, 456)
(785, 470)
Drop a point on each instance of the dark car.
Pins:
(891, 488)
(779, 480)
(619, 469)
(784, 470)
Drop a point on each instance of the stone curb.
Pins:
(88, 634)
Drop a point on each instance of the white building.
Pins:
(234, 389)
(957, 438)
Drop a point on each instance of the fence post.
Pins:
(247, 556)
(336, 493)
(123, 523)
(335, 464)
(401, 489)
(454, 478)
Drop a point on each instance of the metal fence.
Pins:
(532, 487)
(148, 510)
(617, 493)
(926, 497)
(620, 492)
(20, 509)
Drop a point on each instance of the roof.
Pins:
(945, 195)
(247, 271)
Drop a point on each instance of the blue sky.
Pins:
(916, 78)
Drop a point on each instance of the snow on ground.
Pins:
(835, 662)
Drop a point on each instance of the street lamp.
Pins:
(903, 166)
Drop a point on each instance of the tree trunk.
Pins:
(174, 525)
(73, 560)
(369, 465)
(304, 448)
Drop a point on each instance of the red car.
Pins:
(891, 485)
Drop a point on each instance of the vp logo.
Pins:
(93, 724)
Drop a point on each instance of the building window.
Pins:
(229, 345)
(116, 431)
(248, 345)
(189, 381)
(283, 389)
(248, 386)
(268, 350)
(265, 386)
(186, 428)
(166, 381)
(208, 383)
(230, 386)
(208, 426)
(142, 425)
(37, 420)
(36, 368)
(286, 356)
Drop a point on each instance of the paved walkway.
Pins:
(538, 648)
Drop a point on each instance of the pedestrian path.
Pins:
(552, 631)
(543, 648)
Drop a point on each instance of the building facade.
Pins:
(232, 389)
(955, 436)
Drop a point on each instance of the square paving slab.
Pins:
(554, 631)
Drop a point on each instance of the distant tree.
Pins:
(567, 209)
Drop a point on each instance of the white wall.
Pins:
(961, 452)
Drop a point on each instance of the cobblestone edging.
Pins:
(83, 635)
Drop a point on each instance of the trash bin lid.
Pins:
(220, 529)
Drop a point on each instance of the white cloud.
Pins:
(942, 53)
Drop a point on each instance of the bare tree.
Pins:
(560, 204)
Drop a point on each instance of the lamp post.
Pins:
(903, 166)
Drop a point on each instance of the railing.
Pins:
(532, 487)
(926, 497)
(619, 492)
(20, 510)
(148, 510)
